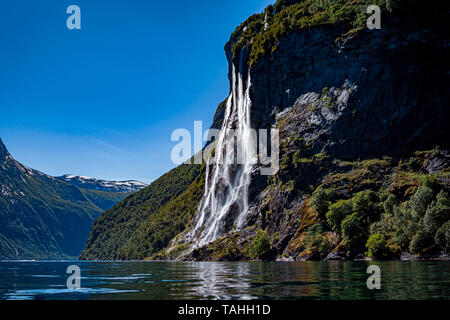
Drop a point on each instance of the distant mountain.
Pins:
(104, 194)
(43, 217)
(103, 185)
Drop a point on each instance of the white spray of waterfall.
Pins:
(227, 182)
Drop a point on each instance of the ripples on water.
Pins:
(223, 280)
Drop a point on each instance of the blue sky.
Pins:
(103, 101)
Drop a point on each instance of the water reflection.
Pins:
(224, 280)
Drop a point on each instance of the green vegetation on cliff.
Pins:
(155, 233)
(105, 200)
(260, 246)
(405, 211)
(263, 31)
(144, 223)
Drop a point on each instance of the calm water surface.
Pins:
(223, 280)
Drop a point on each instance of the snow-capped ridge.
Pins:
(104, 185)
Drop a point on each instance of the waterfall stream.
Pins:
(225, 201)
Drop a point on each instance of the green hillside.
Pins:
(42, 217)
(142, 224)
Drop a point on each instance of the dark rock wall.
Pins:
(401, 78)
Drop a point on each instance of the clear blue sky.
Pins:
(103, 101)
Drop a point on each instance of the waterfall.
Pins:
(225, 199)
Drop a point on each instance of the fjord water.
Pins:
(224, 280)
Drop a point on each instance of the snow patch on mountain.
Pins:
(103, 185)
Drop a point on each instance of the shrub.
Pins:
(325, 247)
(430, 181)
(377, 246)
(313, 236)
(364, 203)
(321, 200)
(296, 157)
(389, 204)
(316, 240)
(443, 198)
(337, 213)
(405, 225)
(420, 200)
(259, 247)
(420, 243)
(437, 213)
(414, 164)
(442, 237)
(413, 227)
(354, 230)
(286, 161)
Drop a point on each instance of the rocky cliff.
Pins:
(364, 133)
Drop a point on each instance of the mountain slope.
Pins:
(105, 200)
(104, 194)
(112, 235)
(43, 217)
(354, 107)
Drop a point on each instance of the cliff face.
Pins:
(355, 109)
(372, 94)
(341, 103)
(393, 82)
